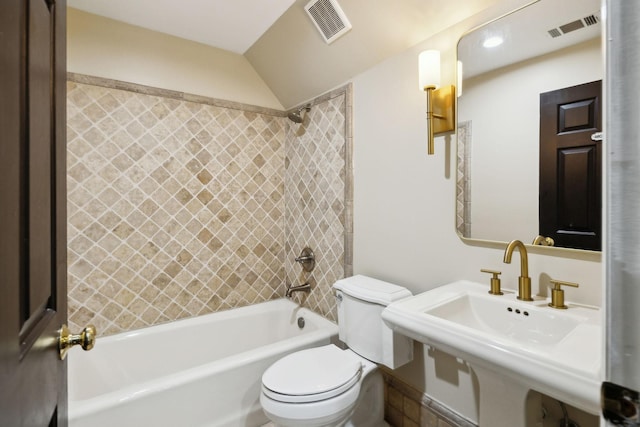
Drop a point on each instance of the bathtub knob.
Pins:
(307, 260)
(86, 339)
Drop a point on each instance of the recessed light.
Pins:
(492, 42)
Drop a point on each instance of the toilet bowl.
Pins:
(329, 386)
(316, 387)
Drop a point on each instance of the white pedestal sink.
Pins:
(555, 352)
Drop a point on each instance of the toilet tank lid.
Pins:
(371, 290)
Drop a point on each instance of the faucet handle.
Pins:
(557, 294)
(307, 260)
(495, 281)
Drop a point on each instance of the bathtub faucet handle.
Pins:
(307, 259)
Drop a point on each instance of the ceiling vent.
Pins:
(329, 19)
(587, 21)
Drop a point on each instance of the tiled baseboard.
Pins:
(404, 406)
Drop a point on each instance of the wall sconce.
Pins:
(440, 100)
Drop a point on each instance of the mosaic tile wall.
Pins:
(463, 180)
(318, 198)
(180, 205)
(175, 208)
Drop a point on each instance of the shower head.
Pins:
(296, 116)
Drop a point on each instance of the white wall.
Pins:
(505, 148)
(404, 210)
(103, 47)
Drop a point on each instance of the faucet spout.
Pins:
(524, 281)
(301, 288)
(524, 258)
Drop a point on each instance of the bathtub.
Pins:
(203, 371)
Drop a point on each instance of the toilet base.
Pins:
(369, 411)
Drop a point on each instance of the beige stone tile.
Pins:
(150, 315)
(395, 398)
(204, 235)
(124, 297)
(124, 275)
(393, 416)
(408, 422)
(150, 293)
(428, 418)
(125, 320)
(411, 409)
(232, 163)
(172, 269)
(161, 302)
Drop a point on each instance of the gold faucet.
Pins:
(543, 241)
(524, 281)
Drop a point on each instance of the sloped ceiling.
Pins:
(298, 65)
(289, 54)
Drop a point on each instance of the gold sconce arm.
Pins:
(440, 112)
(440, 102)
(430, 145)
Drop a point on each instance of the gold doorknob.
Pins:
(86, 339)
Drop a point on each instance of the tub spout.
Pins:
(301, 288)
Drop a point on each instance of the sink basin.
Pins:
(557, 352)
(504, 319)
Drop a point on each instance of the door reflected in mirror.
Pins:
(546, 46)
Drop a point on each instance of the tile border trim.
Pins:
(167, 93)
(346, 91)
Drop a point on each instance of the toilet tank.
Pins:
(361, 300)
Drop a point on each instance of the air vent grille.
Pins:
(587, 21)
(328, 18)
(571, 26)
(591, 20)
(555, 33)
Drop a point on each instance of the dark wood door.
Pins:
(571, 166)
(32, 212)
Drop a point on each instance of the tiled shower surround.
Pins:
(180, 205)
(318, 200)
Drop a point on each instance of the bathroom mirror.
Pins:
(504, 67)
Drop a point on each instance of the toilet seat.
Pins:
(312, 375)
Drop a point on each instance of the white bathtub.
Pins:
(204, 371)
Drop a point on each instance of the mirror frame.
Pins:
(572, 253)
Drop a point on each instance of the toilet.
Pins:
(330, 386)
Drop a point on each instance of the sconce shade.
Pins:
(440, 102)
(429, 69)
